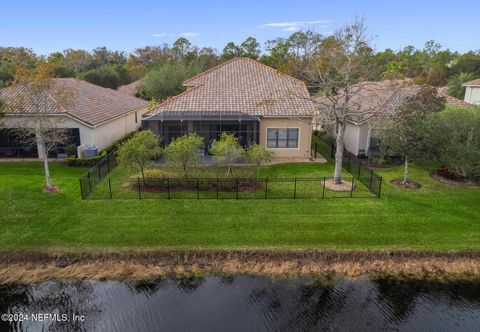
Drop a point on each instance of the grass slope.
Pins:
(435, 217)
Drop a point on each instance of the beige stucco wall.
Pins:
(356, 138)
(472, 94)
(107, 133)
(305, 135)
(351, 137)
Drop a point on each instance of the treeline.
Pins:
(163, 68)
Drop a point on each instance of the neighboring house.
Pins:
(472, 91)
(383, 99)
(95, 117)
(245, 97)
(130, 89)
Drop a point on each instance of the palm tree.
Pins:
(454, 85)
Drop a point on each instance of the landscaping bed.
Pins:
(445, 176)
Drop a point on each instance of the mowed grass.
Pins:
(435, 217)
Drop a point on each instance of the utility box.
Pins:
(90, 152)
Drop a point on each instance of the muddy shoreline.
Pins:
(31, 267)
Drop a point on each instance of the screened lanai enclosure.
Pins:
(169, 125)
(11, 146)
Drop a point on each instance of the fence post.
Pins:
(316, 149)
(380, 187)
(351, 191)
(89, 183)
(110, 187)
(237, 188)
(324, 183)
(168, 187)
(217, 187)
(295, 189)
(139, 192)
(371, 176)
(266, 187)
(198, 188)
(81, 188)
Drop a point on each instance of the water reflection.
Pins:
(246, 304)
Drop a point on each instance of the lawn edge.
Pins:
(32, 267)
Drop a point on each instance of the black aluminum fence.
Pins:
(221, 188)
(364, 174)
(354, 166)
(364, 182)
(96, 174)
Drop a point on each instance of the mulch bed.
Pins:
(408, 184)
(53, 189)
(454, 182)
(340, 187)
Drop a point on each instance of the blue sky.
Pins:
(47, 26)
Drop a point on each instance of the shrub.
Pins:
(138, 151)
(226, 150)
(184, 150)
(456, 140)
(259, 155)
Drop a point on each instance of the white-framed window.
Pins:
(282, 138)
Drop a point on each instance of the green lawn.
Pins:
(435, 217)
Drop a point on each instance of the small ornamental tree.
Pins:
(408, 134)
(259, 155)
(184, 150)
(226, 150)
(138, 151)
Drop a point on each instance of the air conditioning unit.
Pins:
(90, 152)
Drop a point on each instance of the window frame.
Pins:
(286, 140)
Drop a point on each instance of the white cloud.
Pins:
(158, 35)
(294, 25)
(189, 34)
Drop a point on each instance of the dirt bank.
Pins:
(35, 267)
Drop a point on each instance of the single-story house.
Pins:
(472, 91)
(253, 101)
(130, 89)
(382, 99)
(95, 116)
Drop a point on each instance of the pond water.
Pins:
(242, 303)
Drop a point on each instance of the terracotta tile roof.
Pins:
(385, 98)
(130, 89)
(87, 102)
(475, 82)
(241, 85)
(452, 100)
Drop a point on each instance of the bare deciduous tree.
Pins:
(36, 98)
(338, 67)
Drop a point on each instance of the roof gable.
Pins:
(241, 85)
(475, 82)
